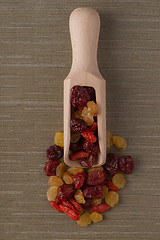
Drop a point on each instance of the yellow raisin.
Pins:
(96, 201)
(59, 139)
(105, 191)
(109, 141)
(55, 181)
(75, 137)
(87, 116)
(67, 177)
(60, 169)
(120, 142)
(79, 196)
(84, 220)
(112, 198)
(75, 170)
(92, 108)
(96, 217)
(119, 180)
(96, 168)
(52, 193)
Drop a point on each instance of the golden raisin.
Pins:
(120, 142)
(105, 191)
(96, 168)
(109, 141)
(75, 170)
(119, 180)
(87, 116)
(92, 108)
(79, 196)
(52, 193)
(55, 181)
(59, 139)
(96, 217)
(67, 177)
(112, 198)
(60, 169)
(96, 201)
(84, 220)
(75, 137)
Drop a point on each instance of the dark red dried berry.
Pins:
(75, 147)
(91, 148)
(93, 127)
(96, 177)
(54, 152)
(78, 180)
(50, 167)
(93, 191)
(79, 97)
(78, 125)
(91, 93)
(88, 162)
(126, 164)
(87, 203)
(111, 164)
(66, 191)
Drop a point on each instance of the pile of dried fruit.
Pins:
(84, 194)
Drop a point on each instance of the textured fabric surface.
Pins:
(35, 58)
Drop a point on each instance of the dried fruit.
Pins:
(89, 136)
(112, 198)
(96, 168)
(79, 179)
(70, 205)
(119, 142)
(60, 169)
(58, 200)
(55, 206)
(75, 137)
(88, 162)
(66, 191)
(79, 196)
(119, 180)
(91, 148)
(96, 217)
(111, 164)
(69, 212)
(76, 204)
(91, 93)
(75, 147)
(55, 181)
(59, 139)
(78, 125)
(54, 152)
(87, 203)
(87, 116)
(77, 114)
(93, 127)
(67, 178)
(92, 107)
(105, 191)
(50, 167)
(126, 164)
(78, 155)
(109, 141)
(79, 96)
(96, 201)
(84, 220)
(102, 207)
(74, 170)
(111, 186)
(52, 193)
(93, 191)
(96, 177)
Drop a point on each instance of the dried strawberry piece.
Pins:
(58, 200)
(70, 205)
(88, 162)
(66, 191)
(79, 179)
(89, 136)
(78, 155)
(111, 186)
(50, 167)
(55, 206)
(93, 126)
(102, 207)
(93, 191)
(69, 212)
(91, 148)
(96, 177)
(76, 204)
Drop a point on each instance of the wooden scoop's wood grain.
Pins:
(84, 27)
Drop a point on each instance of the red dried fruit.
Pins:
(79, 97)
(91, 93)
(87, 203)
(66, 191)
(126, 164)
(69, 212)
(88, 162)
(58, 200)
(91, 148)
(96, 177)
(111, 186)
(89, 136)
(50, 167)
(75, 147)
(102, 207)
(93, 127)
(111, 164)
(76, 204)
(78, 155)
(78, 125)
(78, 180)
(93, 191)
(70, 205)
(54, 152)
(55, 206)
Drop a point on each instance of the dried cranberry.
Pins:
(87, 203)
(78, 180)
(96, 177)
(78, 125)
(126, 164)
(75, 147)
(111, 164)
(88, 162)
(54, 152)
(66, 191)
(50, 167)
(91, 148)
(91, 93)
(93, 191)
(79, 97)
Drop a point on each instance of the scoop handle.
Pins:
(84, 25)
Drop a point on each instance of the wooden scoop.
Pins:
(84, 24)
